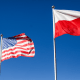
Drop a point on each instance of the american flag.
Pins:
(19, 45)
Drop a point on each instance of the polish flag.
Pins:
(66, 22)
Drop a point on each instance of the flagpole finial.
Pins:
(1, 34)
(53, 6)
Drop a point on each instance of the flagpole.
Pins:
(1, 52)
(55, 69)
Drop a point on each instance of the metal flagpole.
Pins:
(1, 52)
(55, 69)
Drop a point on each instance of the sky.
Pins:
(34, 18)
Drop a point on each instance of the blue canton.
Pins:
(8, 42)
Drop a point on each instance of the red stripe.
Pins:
(17, 48)
(19, 35)
(24, 38)
(67, 27)
(32, 52)
(15, 57)
(23, 41)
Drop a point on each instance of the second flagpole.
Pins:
(55, 69)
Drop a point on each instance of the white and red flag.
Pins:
(66, 22)
(19, 45)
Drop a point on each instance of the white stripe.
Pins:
(21, 36)
(17, 54)
(18, 46)
(16, 50)
(66, 15)
(27, 42)
(19, 40)
(26, 46)
(22, 40)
